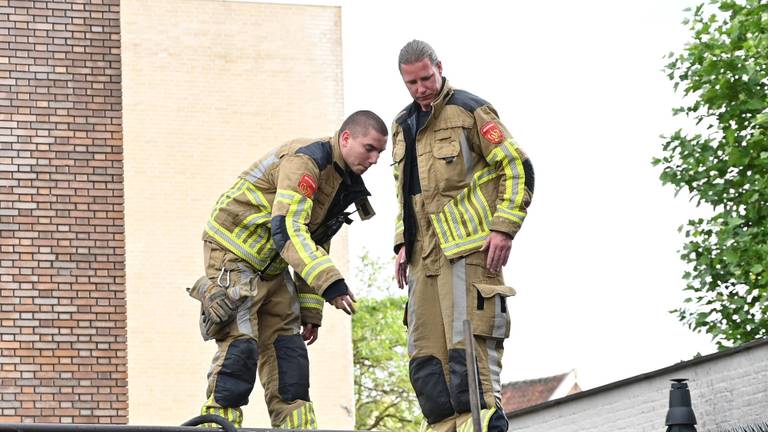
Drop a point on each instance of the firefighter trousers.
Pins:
(266, 332)
(441, 295)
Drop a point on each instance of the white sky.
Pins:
(580, 86)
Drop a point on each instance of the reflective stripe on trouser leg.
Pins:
(302, 417)
(234, 415)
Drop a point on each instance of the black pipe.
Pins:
(680, 417)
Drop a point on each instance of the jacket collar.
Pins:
(445, 93)
(437, 105)
(336, 148)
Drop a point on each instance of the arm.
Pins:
(291, 211)
(398, 153)
(515, 184)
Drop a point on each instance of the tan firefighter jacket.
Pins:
(473, 176)
(268, 217)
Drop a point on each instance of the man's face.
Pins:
(361, 151)
(423, 81)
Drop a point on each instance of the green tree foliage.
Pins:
(384, 397)
(723, 74)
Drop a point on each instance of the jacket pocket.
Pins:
(448, 165)
(490, 317)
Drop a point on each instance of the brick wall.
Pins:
(727, 389)
(62, 288)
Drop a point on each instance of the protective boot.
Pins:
(302, 417)
(234, 415)
(491, 420)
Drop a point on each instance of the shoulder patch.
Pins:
(319, 151)
(492, 133)
(466, 100)
(307, 185)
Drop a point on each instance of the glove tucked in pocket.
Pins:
(490, 317)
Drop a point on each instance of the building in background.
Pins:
(729, 389)
(517, 395)
(121, 122)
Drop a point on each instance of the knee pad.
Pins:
(428, 381)
(292, 368)
(457, 366)
(237, 374)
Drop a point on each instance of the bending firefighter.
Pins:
(464, 187)
(282, 211)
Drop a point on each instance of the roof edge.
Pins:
(637, 378)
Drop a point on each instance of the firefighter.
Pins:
(464, 187)
(280, 212)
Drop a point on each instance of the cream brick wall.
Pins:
(208, 87)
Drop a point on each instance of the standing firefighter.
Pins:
(282, 211)
(464, 186)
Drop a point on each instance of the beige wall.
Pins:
(208, 87)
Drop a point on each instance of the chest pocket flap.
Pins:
(447, 145)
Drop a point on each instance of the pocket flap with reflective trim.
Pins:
(489, 291)
(446, 149)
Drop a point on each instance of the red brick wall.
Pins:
(62, 271)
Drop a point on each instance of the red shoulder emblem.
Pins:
(491, 132)
(307, 186)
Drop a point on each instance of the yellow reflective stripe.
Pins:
(475, 198)
(514, 216)
(506, 155)
(455, 248)
(500, 159)
(468, 212)
(451, 233)
(241, 250)
(236, 241)
(442, 235)
(453, 213)
(299, 208)
(486, 420)
(231, 193)
(424, 426)
(250, 223)
(399, 226)
(520, 178)
(255, 196)
(314, 268)
(311, 301)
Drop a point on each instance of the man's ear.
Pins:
(344, 137)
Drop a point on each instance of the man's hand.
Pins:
(310, 333)
(401, 268)
(345, 302)
(498, 245)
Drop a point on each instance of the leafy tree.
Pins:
(384, 397)
(723, 74)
